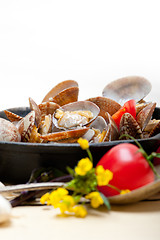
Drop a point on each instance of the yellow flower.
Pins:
(95, 198)
(84, 165)
(44, 198)
(83, 143)
(103, 176)
(66, 205)
(69, 201)
(80, 211)
(57, 195)
(124, 191)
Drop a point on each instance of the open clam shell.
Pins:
(145, 115)
(99, 123)
(47, 108)
(155, 130)
(71, 121)
(69, 136)
(25, 126)
(12, 116)
(99, 127)
(126, 88)
(46, 125)
(63, 93)
(113, 132)
(105, 105)
(34, 107)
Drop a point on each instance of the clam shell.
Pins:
(151, 125)
(63, 93)
(126, 88)
(140, 106)
(113, 132)
(89, 135)
(145, 115)
(99, 123)
(105, 105)
(35, 136)
(76, 106)
(128, 125)
(12, 116)
(25, 126)
(67, 96)
(47, 108)
(8, 131)
(34, 107)
(155, 130)
(46, 125)
(65, 136)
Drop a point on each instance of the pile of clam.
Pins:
(61, 118)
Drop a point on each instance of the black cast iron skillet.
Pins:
(17, 160)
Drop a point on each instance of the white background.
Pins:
(93, 42)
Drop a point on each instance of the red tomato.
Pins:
(117, 116)
(129, 106)
(130, 169)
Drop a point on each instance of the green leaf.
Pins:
(154, 154)
(105, 200)
(70, 171)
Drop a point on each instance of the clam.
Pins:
(46, 125)
(151, 125)
(12, 116)
(89, 135)
(35, 136)
(69, 136)
(140, 106)
(126, 88)
(8, 131)
(62, 118)
(105, 105)
(113, 132)
(129, 126)
(145, 115)
(63, 93)
(99, 126)
(74, 115)
(34, 107)
(25, 126)
(155, 130)
(47, 108)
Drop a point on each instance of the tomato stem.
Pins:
(113, 187)
(147, 157)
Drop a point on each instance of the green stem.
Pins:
(89, 154)
(148, 158)
(113, 187)
(138, 144)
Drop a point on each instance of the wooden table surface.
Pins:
(137, 221)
